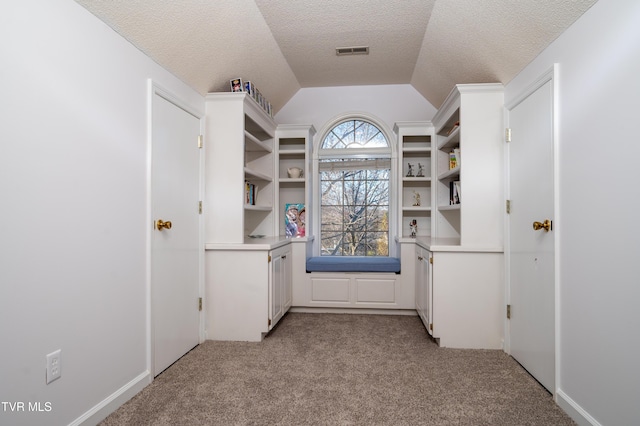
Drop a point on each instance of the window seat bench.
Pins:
(353, 264)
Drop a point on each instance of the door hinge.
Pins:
(431, 260)
(507, 134)
(199, 207)
(200, 141)
(269, 258)
(508, 311)
(199, 303)
(269, 322)
(508, 203)
(431, 326)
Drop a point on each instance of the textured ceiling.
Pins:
(283, 45)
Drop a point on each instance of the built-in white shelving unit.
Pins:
(293, 143)
(459, 267)
(415, 192)
(239, 143)
(248, 267)
(469, 125)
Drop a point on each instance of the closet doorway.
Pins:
(531, 247)
(175, 262)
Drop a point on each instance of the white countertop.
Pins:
(448, 244)
(265, 243)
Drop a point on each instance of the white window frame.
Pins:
(390, 152)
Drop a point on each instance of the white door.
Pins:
(531, 252)
(174, 248)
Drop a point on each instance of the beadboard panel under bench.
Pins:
(354, 290)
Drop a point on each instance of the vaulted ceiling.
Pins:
(284, 45)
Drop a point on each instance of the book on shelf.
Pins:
(454, 158)
(454, 192)
(453, 128)
(250, 193)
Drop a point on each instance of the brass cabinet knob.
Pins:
(161, 224)
(546, 225)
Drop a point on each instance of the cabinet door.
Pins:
(420, 288)
(428, 290)
(276, 296)
(423, 287)
(287, 284)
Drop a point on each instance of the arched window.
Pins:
(354, 172)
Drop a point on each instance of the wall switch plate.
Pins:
(54, 367)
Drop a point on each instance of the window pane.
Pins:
(332, 218)
(355, 134)
(332, 189)
(377, 243)
(378, 218)
(331, 244)
(331, 141)
(368, 135)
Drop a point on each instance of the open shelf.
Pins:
(253, 174)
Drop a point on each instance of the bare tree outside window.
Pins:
(354, 199)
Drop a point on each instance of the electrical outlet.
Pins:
(54, 367)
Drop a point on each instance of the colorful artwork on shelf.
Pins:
(294, 220)
(236, 85)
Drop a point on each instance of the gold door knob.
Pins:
(160, 224)
(546, 225)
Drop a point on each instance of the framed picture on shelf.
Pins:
(248, 87)
(236, 85)
(294, 220)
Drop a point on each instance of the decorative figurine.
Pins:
(410, 172)
(420, 171)
(414, 228)
(416, 199)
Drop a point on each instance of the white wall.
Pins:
(599, 230)
(73, 208)
(389, 103)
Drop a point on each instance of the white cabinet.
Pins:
(239, 145)
(424, 305)
(467, 299)
(248, 288)
(470, 125)
(415, 166)
(460, 296)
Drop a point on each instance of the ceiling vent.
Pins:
(360, 50)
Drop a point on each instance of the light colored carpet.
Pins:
(332, 369)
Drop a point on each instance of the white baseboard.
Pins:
(361, 311)
(115, 400)
(575, 411)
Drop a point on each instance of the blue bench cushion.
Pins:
(353, 264)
